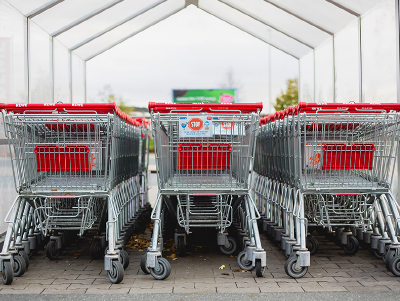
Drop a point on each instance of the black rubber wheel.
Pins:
(25, 256)
(7, 274)
(181, 246)
(259, 269)
(124, 258)
(389, 257)
(32, 252)
(163, 271)
(312, 245)
(232, 247)
(290, 268)
(243, 263)
(19, 266)
(352, 246)
(52, 252)
(395, 266)
(143, 264)
(116, 274)
(96, 251)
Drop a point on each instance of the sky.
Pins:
(189, 50)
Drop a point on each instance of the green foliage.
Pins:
(107, 95)
(151, 146)
(290, 97)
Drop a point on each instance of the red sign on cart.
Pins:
(195, 124)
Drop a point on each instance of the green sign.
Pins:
(212, 95)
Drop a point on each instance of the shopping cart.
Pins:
(328, 166)
(77, 167)
(203, 157)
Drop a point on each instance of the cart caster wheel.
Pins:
(52, 252)
(312, 245)
(286, 255)
(124, 258)
(243, 263)
(19, 266)
(143, 264)
(232, 247)
(259, 269)
(181, 246)
(32, 252)
(395, 266)
(292, 271)
(116, 274)
(163, 271)
(7, 274)
(352, 246)
(389, 257)
(96, 251)
(377, 254)
(25, 257)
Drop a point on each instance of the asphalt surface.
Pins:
(335, 296)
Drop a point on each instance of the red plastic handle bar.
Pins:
(364, 146)
(344, 146)
(360, 108)
(69, 108)
(183, 145)
(227, 145)
(333, 146)
(67, 146)
(189, 108)
(347, 107)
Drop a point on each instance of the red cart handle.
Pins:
(68, 108)
(304, 107)
(220, 145)
(192, 108)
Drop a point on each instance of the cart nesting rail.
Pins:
(76, 167)
(203, 156)
(331, 166)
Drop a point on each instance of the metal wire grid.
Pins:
(226, 172)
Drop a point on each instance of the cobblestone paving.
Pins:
(331, 271)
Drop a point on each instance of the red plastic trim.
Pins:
(361, 108)
(220, 108)
(69, 108)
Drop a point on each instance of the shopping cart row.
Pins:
(329, 167)
(78, 169)
(82, 169)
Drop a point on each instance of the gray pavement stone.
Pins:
(378, 288)
(53, 291)
(190, 290)
(241, 290)
(124, 290)
(165, 290)
(331, 271)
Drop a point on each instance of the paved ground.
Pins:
(198, 272)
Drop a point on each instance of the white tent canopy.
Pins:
(348, 49)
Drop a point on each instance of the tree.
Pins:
(107, 95)
(290, 97)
